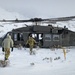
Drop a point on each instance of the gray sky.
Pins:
(40, 8)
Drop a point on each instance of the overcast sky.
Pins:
(40, 8)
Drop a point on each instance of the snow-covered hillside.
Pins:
(6, 27)
(69, 24)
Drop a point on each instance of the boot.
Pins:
(6, 58)
(30, 52)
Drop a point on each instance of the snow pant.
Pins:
(7, 53)
(31, 47)
(64, 52)
(65, 55)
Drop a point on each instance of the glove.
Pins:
(2, 49)
(12, 49)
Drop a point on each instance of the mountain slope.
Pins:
(9, 15)
(6, 27)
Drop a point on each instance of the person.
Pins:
(7, 44)
(31, 42)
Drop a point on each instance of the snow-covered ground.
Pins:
(22, 63)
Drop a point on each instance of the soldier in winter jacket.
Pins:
(31, 43)
(7, 44)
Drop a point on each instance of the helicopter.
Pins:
(46, 32)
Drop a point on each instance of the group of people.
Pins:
(8, 43)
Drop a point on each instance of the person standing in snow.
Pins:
(7, 44)
(31, 42)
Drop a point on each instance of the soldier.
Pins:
(31, 43)
(6, 44)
